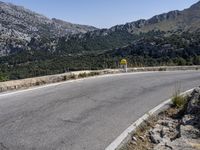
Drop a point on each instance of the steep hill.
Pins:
(18, 25)
(33, 46)
(174, 22)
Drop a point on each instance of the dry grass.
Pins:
(196, 145)
(140, 139)
(179, 101)
(83, 75)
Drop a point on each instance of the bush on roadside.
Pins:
(72, 76)
(37, 83)
(179, 101)
(82, 75)
(162, 69)
(65, 78)
(94, 73)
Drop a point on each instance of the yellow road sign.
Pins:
(123, 62)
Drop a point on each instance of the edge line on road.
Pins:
(123, 137)
(69, 81)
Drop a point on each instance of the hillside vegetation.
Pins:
(39, 49)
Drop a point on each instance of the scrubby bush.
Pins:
(65, 78)
(162, 69)
(82, 75)
(94, 73)
(179, 101)
(72, 76)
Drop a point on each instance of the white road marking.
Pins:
(124, 135)
(69, 81)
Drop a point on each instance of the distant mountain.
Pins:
(22, 29)
(33, 45)
(73, 28)
(174, 22)
(18, 25)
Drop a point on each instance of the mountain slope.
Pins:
(167, 39)
(26, 21)
(174, 21)
(18, 25)
(22, 29)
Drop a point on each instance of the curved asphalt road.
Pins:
(85, 114)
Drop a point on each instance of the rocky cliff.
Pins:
(18, 25)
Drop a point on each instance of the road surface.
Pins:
(85, 114)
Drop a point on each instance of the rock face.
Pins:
(22, 29)
(176, 134)
(173, 21)
(18, 25)
(194, 103)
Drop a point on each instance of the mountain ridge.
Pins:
(139, 25)
(23, 26)
(19, 25)
(167, 39)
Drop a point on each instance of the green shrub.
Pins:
(72, 76)
(65, 78)
(93, 74)
(162, 69)
(82, 75)
(179, 101)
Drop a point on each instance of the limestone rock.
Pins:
(194, 102)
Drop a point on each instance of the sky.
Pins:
(102, 13)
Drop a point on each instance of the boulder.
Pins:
(194, 102)
(189, 132)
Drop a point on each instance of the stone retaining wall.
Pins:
(26, 83)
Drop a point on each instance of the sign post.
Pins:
(123, 64)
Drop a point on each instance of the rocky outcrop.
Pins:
(19, 25)
(179, 134)
(173, 21)
(194, 103)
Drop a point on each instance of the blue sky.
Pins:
(102, 13)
